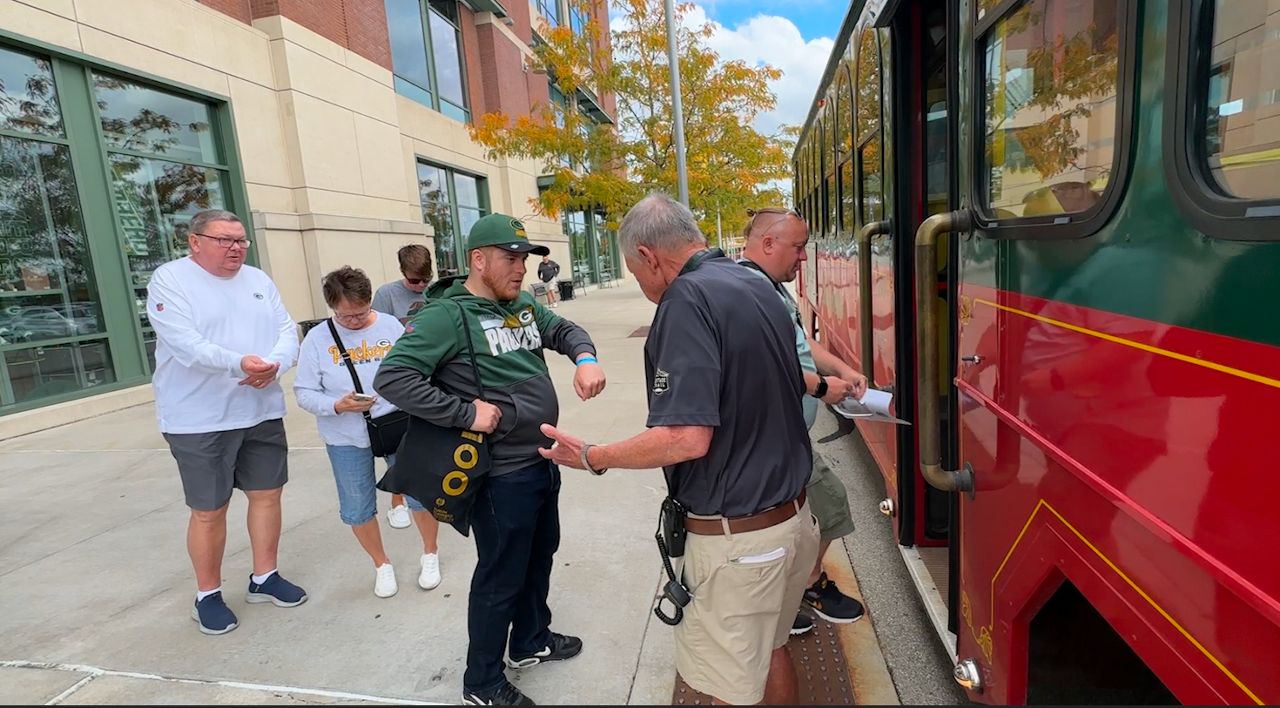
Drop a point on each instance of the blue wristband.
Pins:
(587, 360)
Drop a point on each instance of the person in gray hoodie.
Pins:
(516, 515)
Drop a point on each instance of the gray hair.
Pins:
(208, 216)
(660, 223)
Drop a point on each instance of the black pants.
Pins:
(516, 520)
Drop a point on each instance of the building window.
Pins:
(550, 10)
(426, 54)
(165, 166)
(452, 202)
(114, 184)
(592, 248)
(1050, 87)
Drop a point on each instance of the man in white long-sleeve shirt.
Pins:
(223, 340)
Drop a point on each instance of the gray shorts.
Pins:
(212, 464)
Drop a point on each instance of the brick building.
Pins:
(336, 128)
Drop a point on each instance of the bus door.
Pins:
(922, 66)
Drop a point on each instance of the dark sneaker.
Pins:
(826, 601)
(503, 695)
(562, 647)
(802, 624)
(277, 591)
(213, 615)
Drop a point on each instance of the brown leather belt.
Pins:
(742, 524)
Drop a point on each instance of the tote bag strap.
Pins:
(471, 350)
(346, 358)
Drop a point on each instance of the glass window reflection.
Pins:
(1051, 69)
(28, 99)
(1242, 112)
(142, 119)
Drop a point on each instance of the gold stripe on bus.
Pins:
(1222, 368)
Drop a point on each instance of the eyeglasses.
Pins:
(415, 281)
(357, 317)
(226, 242)
(753, 213)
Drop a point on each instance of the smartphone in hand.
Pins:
(364, 397)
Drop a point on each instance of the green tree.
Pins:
(731, 166)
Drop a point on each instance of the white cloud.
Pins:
(773, 40)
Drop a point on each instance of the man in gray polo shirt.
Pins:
(726, 424)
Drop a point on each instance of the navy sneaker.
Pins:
(826, 601)
(504, 695)
(561, 647)
(802, 624)
(277, 591)
(213, 615)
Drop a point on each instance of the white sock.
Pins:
(260, 579)
(202, 594)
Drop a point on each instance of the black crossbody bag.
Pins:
(385, 431)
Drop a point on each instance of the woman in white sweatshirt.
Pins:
(324, 387)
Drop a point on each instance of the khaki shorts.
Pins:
(830, 501)
(746, 592)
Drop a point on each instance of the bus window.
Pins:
(844, 152)
(1240, 128)
(871, 206)
(1051, 74)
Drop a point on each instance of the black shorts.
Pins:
(212, 464)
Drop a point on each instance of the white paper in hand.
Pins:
(873, 406)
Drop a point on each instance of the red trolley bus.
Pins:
(1050, 228)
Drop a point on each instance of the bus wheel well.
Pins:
(1074, 656)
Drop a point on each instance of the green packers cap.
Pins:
(504, 232)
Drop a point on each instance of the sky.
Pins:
(795, 36)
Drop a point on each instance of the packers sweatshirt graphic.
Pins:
(428, 373)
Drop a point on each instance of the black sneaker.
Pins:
(503, 695)
(562, 647)
(802, 624)
(826, 601)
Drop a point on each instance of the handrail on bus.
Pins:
(865, 234)
(927, 352)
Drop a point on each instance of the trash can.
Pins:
(566, 289)
(306, 326)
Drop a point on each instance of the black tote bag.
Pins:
(442, 467)
(385, 431)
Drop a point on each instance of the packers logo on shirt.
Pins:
(512, 332)
(526, 316)
(661, 382)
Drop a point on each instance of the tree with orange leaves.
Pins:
(731, 165)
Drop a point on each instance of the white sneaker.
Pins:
(385, 584)
(429, 578)
(398, 516)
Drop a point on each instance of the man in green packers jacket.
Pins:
(516, 516)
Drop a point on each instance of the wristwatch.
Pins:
(586, 464)
(821, 390)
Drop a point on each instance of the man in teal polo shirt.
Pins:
(516, 516)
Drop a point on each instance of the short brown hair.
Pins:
(416, 259)
(346, 283)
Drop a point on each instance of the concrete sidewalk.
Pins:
(96, 587)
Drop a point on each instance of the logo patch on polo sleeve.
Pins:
(661, 382)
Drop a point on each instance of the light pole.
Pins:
(673, 61)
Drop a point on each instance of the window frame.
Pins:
(436, 102)
(83, 136)
(1191, 186)
(485, 207)
(1053, 227)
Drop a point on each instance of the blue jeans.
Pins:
(354, 475)
(516, 519)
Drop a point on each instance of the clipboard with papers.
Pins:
(872, 407)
